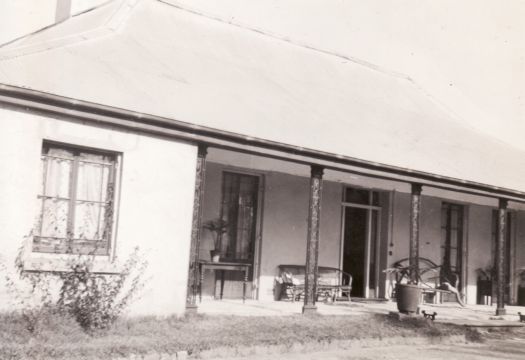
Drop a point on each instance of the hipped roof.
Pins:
(151, 57)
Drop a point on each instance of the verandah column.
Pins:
(415, 210)
(312, 244)
(500, 257)
(193, 273)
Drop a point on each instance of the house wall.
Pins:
(154, 211)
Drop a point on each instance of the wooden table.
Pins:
(222, 267)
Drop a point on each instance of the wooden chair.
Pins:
(433, 279)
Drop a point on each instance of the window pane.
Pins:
(89, 221)
(59, 152)
(453, 258)
(97, 158)
(375, 198)
(54, 218)
(57, 176)
(246, 216)
(239, 207)
(92, 181)
(453, 239)
(357, 196)
(453, 217)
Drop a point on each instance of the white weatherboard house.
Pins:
(138, 122)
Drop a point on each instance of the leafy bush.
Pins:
(93, 299)
(96, 300)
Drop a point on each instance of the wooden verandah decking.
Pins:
(471, 315)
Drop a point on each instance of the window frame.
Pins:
(69, 244)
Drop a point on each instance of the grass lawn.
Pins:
(61, 338)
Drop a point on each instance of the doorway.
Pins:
(453, 247)
(360, 255)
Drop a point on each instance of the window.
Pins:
(76, 200)
(361, 196)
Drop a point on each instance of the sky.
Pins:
(469, 55)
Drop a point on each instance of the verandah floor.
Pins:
(472, 315)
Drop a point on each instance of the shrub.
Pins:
(93, 299)
(97, 300)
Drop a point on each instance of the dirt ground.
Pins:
(493, 349)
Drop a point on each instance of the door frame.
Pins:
(366, 270)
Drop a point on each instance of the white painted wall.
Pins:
(156, 202)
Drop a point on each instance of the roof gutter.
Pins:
(68, 108)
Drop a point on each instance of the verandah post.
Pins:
(415, 210)
(500, 256)
(312, 244)
(193, 273)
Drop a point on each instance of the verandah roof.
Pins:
(172, 63)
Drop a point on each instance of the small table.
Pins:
(223, 266)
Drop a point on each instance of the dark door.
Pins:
(452, 246)
(354, 247)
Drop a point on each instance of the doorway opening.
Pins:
(361, 240)
(452, 247)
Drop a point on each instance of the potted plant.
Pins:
(218, 227)
(408, 296)
(407, 293)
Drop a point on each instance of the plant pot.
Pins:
(408, 298)
(215, 255)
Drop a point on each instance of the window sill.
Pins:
(61, 263)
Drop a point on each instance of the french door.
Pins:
(239, 209)
(453, 245)
(360, 245)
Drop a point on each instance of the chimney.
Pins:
(63, 10)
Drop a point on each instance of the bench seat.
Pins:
(332, 283)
